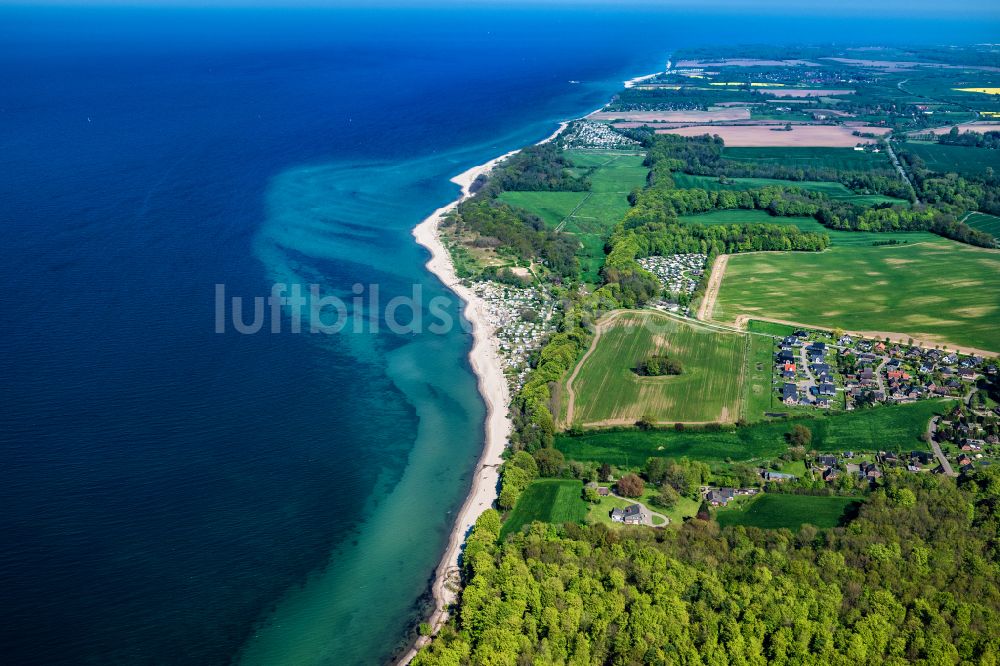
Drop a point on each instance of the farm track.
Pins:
(718, 271)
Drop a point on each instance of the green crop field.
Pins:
(607, 390)
(938, 291)
(988, 223)
(833, 190)
(955, 159)
(775, 511)
(609, 171)
(841, 159)
(837, 238)
(548, 501)
(891, 428)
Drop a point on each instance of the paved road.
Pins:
(899, 168)
(945, 465)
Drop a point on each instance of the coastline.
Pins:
(485, 361)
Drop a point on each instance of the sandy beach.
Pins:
(485, 361)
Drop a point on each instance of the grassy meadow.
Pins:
(589, 215)
(938, 291)
(607, 390)
(962, 160)
(548, 501)
(890, 428)
(776, 511)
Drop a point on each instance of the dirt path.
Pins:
(707, 304)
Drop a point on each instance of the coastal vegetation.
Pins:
(873, 591)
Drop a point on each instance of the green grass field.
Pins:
(607, 390)
(837, 238)
(841, 159)
(938, 291)
(758, 394)
(955, 159)
(589, 215)
(774, 511)
(552, 207)
(891, 428)
(833, 190)
(988, 223)
(548, 501)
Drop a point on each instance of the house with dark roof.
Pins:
(786, 356)
(827, 461)
(720, 496)
(826, 388)
(631, 515)
(789, 393)
(831, 474)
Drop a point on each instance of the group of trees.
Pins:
(914, 578)
(542, 167)
(658, 365)
(703, 156)
(970, 139)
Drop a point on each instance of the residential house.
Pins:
(826, 388)
(720, 496)
(789, 394)
(631, 515)
(827, 461)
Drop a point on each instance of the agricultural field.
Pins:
(955, 159)
(758, 393)
(776, 511)
(984, 222)
(890, 428)
(604, 389)
(841, 159)
(836, 191)
(548, 501)
(824, 136)
(938, 291)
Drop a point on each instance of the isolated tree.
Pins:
(590, 495)
(646, 422)
(704, 513)
(799, 435)
(630, 485)
(604, 472)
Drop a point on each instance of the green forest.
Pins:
(912, 579)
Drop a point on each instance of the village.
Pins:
(522, 319)
(811, 369)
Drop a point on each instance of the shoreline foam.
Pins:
(485, 361)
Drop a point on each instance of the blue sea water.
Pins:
(173, 495)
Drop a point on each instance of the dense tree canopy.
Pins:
(914, 578)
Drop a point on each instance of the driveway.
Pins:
(645, 513)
